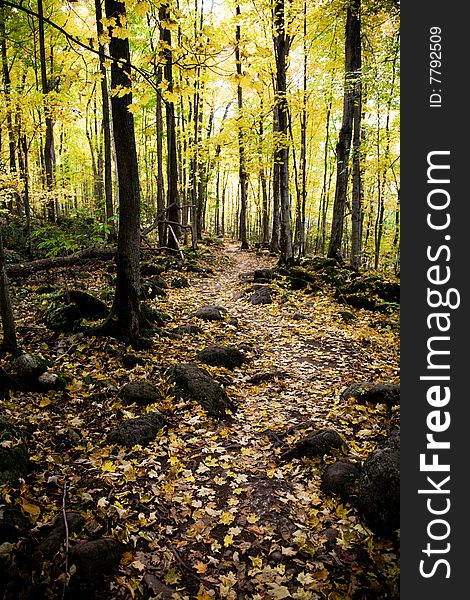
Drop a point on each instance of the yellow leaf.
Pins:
(226, 518)
(32, 510)
(252, 518)
(108, 467)
(200, 567)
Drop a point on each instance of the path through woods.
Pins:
(209, 508)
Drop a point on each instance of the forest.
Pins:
(199, 299)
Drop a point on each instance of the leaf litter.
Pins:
(208, 508)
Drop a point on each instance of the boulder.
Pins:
(138, 392)
(221, 356)
(379, 488)
(158, 589)
(14, 457)
(153, 316)
(264, 274)
(130, 361)
(261, 296)
(13, 523)
(341, 478)
(377, 393)
(187, 329)
(29, 366)
(141, 430)
(211, 313)
(196, 384)
(179, 282)
(152, 287)
(52, 543)
(68, 309)
(318, 443)
(268, 376)
(96, 558)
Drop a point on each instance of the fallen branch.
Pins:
(92, 252)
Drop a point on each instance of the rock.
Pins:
(88, 306)
(318, 443)
(268, 377)
(14, 457)
(139, 392)
(130, 361)
(147, 269)
(357, 300)
(347, 316)
(330, 536)
(211, 313)
(195, 383)
(152, 287)
(153, 316)
(187, 329)
(63, 318)
(68, 309)
(29, 366)
(341, 478)
(51, 381)
(157, 588)
(377, 393)
(96, 558)
(141, 430)
(379, 488)
(261, 296)
(265, 274)
(49, 547)
(221, 356)
(179, 282)
(13, 523)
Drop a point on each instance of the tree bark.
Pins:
(49, 151)
(242, 175)
(173, 207)
(282, 43)
(356, 195)
(9, 343)
(124, 319)
(106, 127)
(352, 54)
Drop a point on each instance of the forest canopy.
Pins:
(275, 122)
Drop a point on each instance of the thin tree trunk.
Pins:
(9, 343)
(282, 43)
(106, 127)
(352, 48)
(356, 196)
(242, 175)
(173, 206)
(49, 152)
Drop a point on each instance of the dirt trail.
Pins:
(209, 507)
(269, 505)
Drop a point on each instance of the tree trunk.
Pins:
(242, 175)
(106, 127)
(124, 320)
(49, 151)
(173, 207)
(6, 91)
(352, 54)
(282, 43)
(356, 196)
(9, 343)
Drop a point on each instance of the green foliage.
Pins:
(70, 235)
